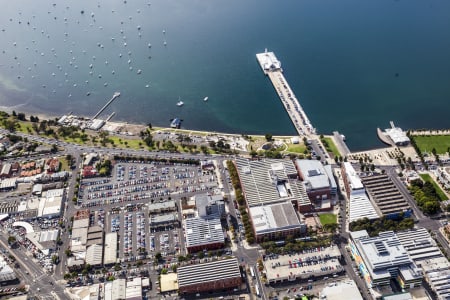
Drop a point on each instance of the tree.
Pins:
(268, 137)
(21, 117)
(55, 259)
(158, 256)
(11, 239)
(204, 149)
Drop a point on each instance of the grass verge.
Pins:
(442, 196)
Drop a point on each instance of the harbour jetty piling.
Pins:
(271, 66)
(116, 94)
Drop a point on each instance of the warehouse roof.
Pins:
(208, 272)
(270, 181)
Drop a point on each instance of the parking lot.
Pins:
(315, 262)
(120, 203)
(136, 240)
(143, 182)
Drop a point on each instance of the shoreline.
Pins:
(124, 124)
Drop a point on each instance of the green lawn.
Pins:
(439, 142)
(442, 196)
(25, 127)
(328, 219)
(332, 147)
(64, 164)
(296, 148)
(125, 143)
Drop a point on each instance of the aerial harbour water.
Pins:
(354, 66)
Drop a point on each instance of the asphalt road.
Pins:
(30, 273)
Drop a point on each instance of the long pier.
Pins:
(116, 94)
(272, 68)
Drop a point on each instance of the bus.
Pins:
(257, 290)
(252, 272)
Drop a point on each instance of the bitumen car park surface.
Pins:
(119, 203)
(133, 182)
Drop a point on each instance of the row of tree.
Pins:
(374, 227)
(234, 176)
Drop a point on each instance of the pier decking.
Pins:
(272, 68)
(116, 94)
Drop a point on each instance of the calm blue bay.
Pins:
(354, 65)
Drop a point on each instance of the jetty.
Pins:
(271, 66)
(340, 143)
(116, 94)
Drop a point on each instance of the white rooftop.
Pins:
(382, 253)
(352, 177)
(314, 173)
(347, 290)
(268, 61)
(275, 217)
(360, 207)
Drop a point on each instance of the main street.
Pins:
(30, 273)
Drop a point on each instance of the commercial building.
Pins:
(210, 206)
(162, 207)
(424, 251)
(271, 189)
(385, 195)
(320, 186)
(8, 184)
(203, 234)
(168, 282)
(110, 255)
(6, 272)
(50, 203)
(271, 181)
(134, 289)
(165, 220)
(115, 290)
(352, 182)
(347, 290)
(94, 236)
(44, 241)
(94, 255)
(443, 176)
(220, 275)
(360, 207)
(275, 221)
(397, 135)
(383, 258)
(359, 204)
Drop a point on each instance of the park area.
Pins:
(327, 219)
(426, 143)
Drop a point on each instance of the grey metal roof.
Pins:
(208, 272)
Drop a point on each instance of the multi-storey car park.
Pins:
(388, 199)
